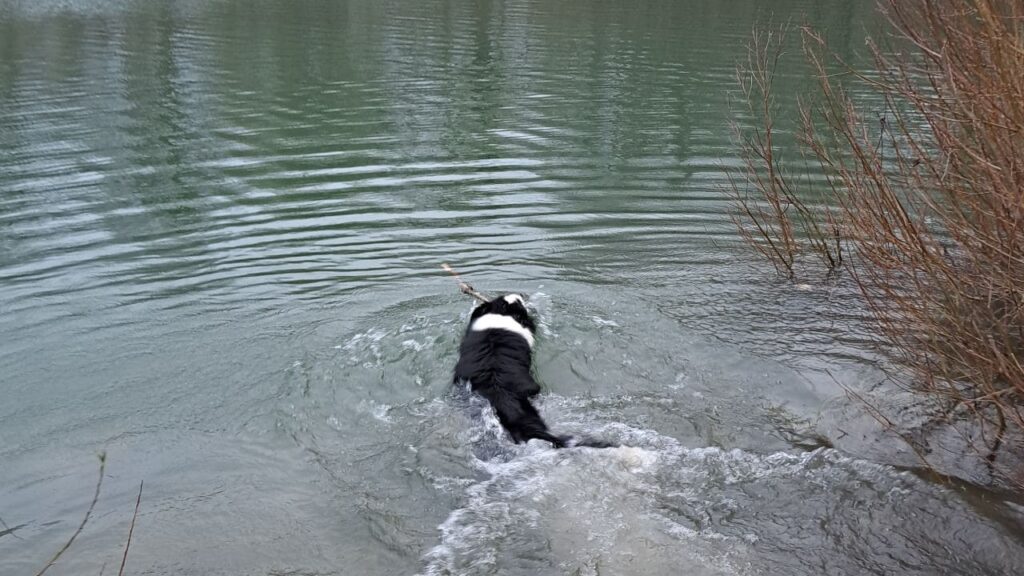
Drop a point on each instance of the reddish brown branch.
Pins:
(131, 529)
(937, 221)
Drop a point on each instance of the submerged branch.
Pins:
(85, 520)
(131, 529)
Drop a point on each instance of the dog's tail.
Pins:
(523, 422)
(586, 442)
(519, 417)
(574, 441)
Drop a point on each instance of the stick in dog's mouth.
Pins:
(495, 359)
(463, 286)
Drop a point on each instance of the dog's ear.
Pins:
(481, 309)
(513, 299)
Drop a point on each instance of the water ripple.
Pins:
(193, 193)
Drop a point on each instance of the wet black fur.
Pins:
(497, 364)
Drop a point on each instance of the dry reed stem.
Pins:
(131, 529)
(85, 519)
(9, 530)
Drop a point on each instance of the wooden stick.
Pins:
(465, 288)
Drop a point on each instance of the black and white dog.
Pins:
(495, 358)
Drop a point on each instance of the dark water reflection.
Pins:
(220, 225)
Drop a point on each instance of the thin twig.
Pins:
(131, 529)
(9, 530)
(465, 288)
(95, 497)
(880, 149)
(890, 426)
(930, 206)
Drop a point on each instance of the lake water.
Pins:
(220, 231)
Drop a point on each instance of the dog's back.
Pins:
(495, 358)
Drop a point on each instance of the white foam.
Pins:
(366, 348)
(378, 410)
(413, 345)
(499, 322)
(576, 509)
(539, 308)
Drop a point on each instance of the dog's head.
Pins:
(511, 305)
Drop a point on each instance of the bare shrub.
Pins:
(932, 200)
(769, 210)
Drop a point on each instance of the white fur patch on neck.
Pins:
(499, 322)
(513, 298)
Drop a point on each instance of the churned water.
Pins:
(220, 230)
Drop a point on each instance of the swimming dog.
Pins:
(495, 359)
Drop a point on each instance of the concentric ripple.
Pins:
(220, 229)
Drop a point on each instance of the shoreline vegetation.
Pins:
(923, 204)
